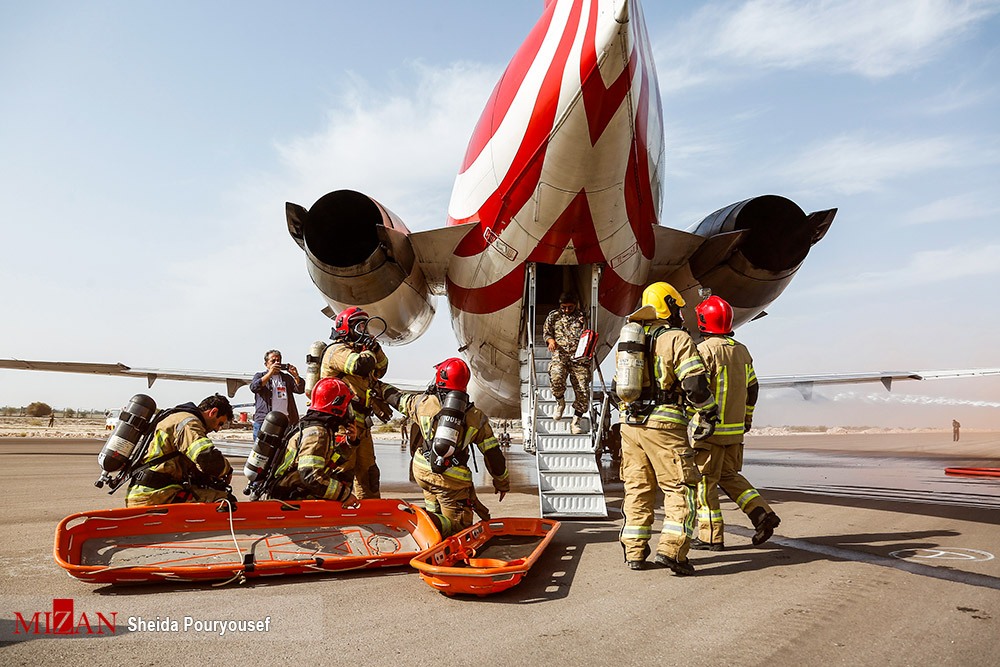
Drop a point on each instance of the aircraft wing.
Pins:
(233, 381)
(805, 383)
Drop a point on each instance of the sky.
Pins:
(147, 150)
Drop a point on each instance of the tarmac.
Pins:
(880, 559)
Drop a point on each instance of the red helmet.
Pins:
(452, 374)
(348, 321)
(715, 316)
(332, 396)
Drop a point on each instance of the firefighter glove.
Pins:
(706, 424)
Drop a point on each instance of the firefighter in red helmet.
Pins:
(448, 425)
(733, 381)
(356, 357)
(318, 448)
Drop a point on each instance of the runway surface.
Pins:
(880, 559)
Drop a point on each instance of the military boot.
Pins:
(560, 408)
(575, 427)
(764, 522)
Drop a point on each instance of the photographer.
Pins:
(273, 390)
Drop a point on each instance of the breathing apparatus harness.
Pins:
(445, 449)
(312, 418)
(135, 472)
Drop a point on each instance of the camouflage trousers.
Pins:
(579, 376)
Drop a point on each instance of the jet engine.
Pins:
(776, 237)
(359, 254)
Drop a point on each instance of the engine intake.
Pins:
(777, 237)
(358, 253)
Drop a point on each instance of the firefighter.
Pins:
(447, 424)
(562, 331)
(720, 456)
(655, 450)
(358, 360)
(318, 446)
(182, 464)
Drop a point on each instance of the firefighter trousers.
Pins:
(736, 485)
(172, 494)
(651, 458)
(710, 462)
(449, 498)
(361, 464)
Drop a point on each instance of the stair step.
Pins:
(563, 462)
(574, 506)
(570, 482)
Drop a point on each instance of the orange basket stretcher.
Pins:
(973, 472)
(486, 558)
(203, 541)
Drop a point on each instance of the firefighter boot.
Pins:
(681, 568)
(710, 546)
(639, 564)
(575, 427)
(764, 522)
(560, 408)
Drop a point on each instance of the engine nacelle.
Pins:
(778, 236)
(358, 254)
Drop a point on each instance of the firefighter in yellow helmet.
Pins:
(655, 449)
(447, 426)
(720, 456)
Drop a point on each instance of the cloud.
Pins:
(850, 164)
(924, 268)
(909, 399)
(402, 146)
(969, 206)
(871, 39)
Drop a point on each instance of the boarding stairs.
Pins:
(569, 479)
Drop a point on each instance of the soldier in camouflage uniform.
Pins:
(562, 330)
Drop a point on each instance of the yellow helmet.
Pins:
(664, 298)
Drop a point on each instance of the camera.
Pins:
(283, 367)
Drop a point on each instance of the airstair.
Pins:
(569, 480)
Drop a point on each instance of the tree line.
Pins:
(40, 409)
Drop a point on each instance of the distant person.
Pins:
(562, 331)
(182, 464)
(318, 447)
(404, 434)
(955, 426)
(733, 381)
(273, 390)
(440, 464)
(52, 420)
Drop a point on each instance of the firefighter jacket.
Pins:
(565, 329)
(360, 369)
(678, 376)
(423, 410)
(189, 456)
(733, 382)
(313, 458)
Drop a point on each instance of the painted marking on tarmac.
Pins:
(937, 572)
(942, 554)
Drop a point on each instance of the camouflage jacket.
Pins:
(566, 330)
